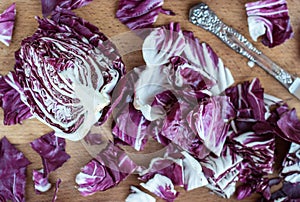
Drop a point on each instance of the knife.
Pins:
(202, 16)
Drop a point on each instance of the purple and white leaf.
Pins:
(7, 23)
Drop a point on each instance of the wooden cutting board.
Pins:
(101, 14)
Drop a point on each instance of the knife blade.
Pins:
(202, 16)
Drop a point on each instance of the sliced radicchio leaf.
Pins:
(169, 41)
(129, 124)
(41, 183)
(176, 129)
(210, 120)
(269, 19)
(248, 101)
(290, 166)
(15, 111)
(162, 187)
(111, 166)
(52, 151)
(65, 61)
(12, 172)
(169, 167)
(48, 6)
(137, 195)
(193, 176)
(289, 124)
(7, 22)
(222, 172)
(137, 14)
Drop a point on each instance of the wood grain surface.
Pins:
(101, 14)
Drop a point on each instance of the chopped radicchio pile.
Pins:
(65, 61)
(269, 19)
(111, 166)
(52, 151)
(13, 166)
(185, 94)
(7, 22)
(137, 14)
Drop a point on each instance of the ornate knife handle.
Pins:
(202, 16)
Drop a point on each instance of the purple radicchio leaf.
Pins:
(150, 90)
(163, 43)
(7, 22)
(15, 111)
(129, 124)
(48, 6)
(52, 151)
(202, 56)
(66, 61)
(162, 187)
(290, 166)
(193, 176)
(248, 100)
(137, 14)
(169, 167)
(269, 19)
(41, 183)
(12, 172)
(175, 128)
(210, 120)
(289, 124)
(108, 169)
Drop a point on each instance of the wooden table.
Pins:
(101, 14)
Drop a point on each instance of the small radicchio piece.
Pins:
(221, 172)
(52, 151)
(202, 56)
(48, 6)
(210, 120)
(193, 176)
(289, 124)
(66, 61)
(269, 19)
(7, 22)
(163, 43)
(290, 166)
(12, 172)
(248, 101)
(150, 90)
(15, 111)
(129, 124)
(176, 129)
(137, 195)
(169, 167)
(137, 14)
(111, 166)
(41, 183)
(162, 187)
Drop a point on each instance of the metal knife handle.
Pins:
(202, 16)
